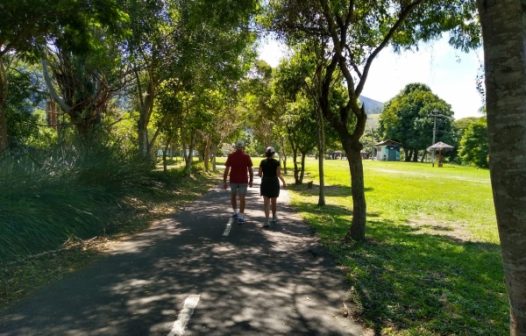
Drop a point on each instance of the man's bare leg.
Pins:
(233, 200)
(242, 204)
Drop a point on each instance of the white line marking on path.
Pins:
(189, 306)
(228, 227)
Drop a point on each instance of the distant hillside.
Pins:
(372, 106)
(372, 122)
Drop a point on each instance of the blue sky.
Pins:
(451, 74)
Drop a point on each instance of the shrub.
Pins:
(50, 195)
(474, 144)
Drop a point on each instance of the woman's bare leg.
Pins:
(273, 200)
(266, 202)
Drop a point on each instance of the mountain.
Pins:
(372, 106)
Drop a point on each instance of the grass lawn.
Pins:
(431, 263)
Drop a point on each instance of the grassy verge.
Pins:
(53, 226)
(431, 263)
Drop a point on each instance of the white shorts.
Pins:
(238, 188)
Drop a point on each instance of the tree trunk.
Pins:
(352, 146)
(294, 160)
(188, 157)
(504, 36)
(4, 141)
(206, 155)
(213, 150)
(85, 122)
(283, 155)
(408, 153)
(167, 146)
(142, 130)
(321, 155)
(352, 150)
(302, 170)
(415, 155)
(165, 161)
(145, 112)
(296, 168)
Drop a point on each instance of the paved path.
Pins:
(184, 277)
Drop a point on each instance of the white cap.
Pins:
(270, 150)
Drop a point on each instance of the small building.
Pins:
(387, 150)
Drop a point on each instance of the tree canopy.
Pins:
(474, 144)
(410, 118)
(351, 35)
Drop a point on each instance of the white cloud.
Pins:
(451, 74)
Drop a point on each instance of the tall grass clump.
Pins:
(48, 196)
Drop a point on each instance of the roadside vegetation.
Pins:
(62, 208)
(431, 263)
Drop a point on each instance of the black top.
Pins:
(269, 167)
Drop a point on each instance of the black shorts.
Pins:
(270, 186)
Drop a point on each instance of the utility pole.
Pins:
(435, 114)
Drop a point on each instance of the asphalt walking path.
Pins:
(194, 274)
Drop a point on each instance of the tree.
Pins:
(504, 32)
(409, 119)
(354, 33)
(26, 25)
(187, 41)
(150, 51)
(296, 86)
(83, 82)
(474, 144)
(22, 23)
(169, 106)
(256, 103)
(23, 98)
(301, 124)
(300, 79)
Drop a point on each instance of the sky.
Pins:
(451, 74)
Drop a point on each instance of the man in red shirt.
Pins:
(239, 166)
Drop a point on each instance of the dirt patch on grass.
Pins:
(425, 224)
(433, 176)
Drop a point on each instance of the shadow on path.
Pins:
(252, 282)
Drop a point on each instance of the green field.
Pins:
(431, 263)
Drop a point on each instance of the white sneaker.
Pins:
(240, 219)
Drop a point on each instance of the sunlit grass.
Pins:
(431, 263)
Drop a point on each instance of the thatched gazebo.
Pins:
(440, 147)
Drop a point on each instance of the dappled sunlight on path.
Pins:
(251, 282)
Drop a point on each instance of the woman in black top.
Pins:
(270, 172)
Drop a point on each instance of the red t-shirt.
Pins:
(239, 163)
